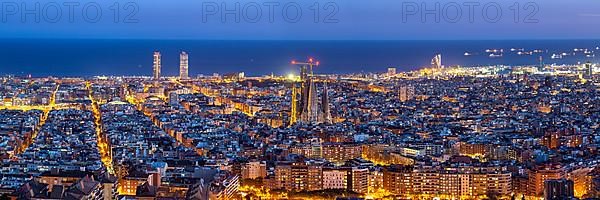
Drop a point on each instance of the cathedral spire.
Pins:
(325, 104)
(311, 112)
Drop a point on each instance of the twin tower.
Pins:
(183, 65)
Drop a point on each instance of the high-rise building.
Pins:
(376, 182)
(589, 69)
(582, 180)
(447, 180)
(540, 174)
(552, 139)
(157, 65)
(298, 176)
(436, 62)
(397, 179)
(253, 170)
(341, 152)
(558, 189)
(406, 93)
(359, 180)
(391, 71)
(334, 178)
(183, 65)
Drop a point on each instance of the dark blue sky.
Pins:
(354, 19)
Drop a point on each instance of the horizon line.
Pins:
(279, 39)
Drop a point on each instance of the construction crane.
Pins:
(311, 63)
(305, 75)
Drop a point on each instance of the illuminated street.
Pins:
(103, 146)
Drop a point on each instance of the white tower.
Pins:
(157, 65)
(436, 62)
(183, 65)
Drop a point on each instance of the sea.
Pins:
(95, 57)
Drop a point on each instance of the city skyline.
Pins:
(130, 57)
(300, 100)
(364, 135)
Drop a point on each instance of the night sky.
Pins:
(354, 20)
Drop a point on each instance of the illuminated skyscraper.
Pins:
(157, 65)
(436, 62)
(589, 69)
(183, 65)
(391, 71)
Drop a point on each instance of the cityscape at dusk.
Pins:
(299, 100)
